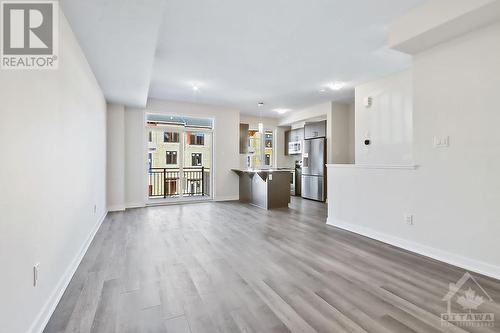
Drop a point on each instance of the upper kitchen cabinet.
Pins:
(297, 135)
(315, 130)
(293, 141)
(244, 138)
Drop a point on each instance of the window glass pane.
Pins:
(254, 148)
(198, 149)
(268, 159)
(268, 148)
(171, 137)
(197, 139)
(171, 157)
(158, 119)
(196, 159)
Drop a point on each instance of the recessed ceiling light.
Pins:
(195, 87)
(281, 111)
(336, 85)
(261, 104)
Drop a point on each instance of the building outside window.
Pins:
(268, 148)
(196, 159)
(175, 148)
(171, 157)
(197, 139)
(269, 139)
(267, 159)
(171, 137)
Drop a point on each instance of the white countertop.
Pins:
(264, 170)
(373, 166)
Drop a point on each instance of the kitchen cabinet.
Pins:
(244, 138)
(315, 130)
(297, 135)
(293, 136)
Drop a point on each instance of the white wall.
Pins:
(340, 127)
(340, 140)
(370, 200)
(115, 171)
(458, 188)
(314, 111)
(351, 134)
(387, 123)
(454, 192)
(226, 150)
(438, 21)
(136, 168)
(53, 147)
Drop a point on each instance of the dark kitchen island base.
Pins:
(266, 189)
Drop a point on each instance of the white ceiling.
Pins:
(119, 39)
(238, 52)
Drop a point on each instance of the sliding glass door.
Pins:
(164, 159)
(179, 163)
(196, 163)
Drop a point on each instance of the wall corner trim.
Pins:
(50, 305)
(441, 255)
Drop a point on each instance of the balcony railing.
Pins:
(168, 183)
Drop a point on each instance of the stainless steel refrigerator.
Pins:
(313, 169)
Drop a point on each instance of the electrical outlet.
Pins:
(409, 219)
(36, 271)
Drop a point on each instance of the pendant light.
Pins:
(261, 124)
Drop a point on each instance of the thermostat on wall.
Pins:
(368, 102)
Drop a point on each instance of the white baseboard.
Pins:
(441, 255)
(121, 208)
(135, 205)
(227, 198)
(50, 305)
(116, 208)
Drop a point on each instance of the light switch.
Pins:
(409, 219)
(441, 141)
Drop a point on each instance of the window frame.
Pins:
(195, 141)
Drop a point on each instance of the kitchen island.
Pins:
(265, 188)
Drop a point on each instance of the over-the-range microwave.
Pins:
(294, 147)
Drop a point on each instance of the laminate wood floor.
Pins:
(231, 267)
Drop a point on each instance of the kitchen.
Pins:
(295, 149)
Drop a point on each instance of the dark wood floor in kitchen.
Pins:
(230, 267)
